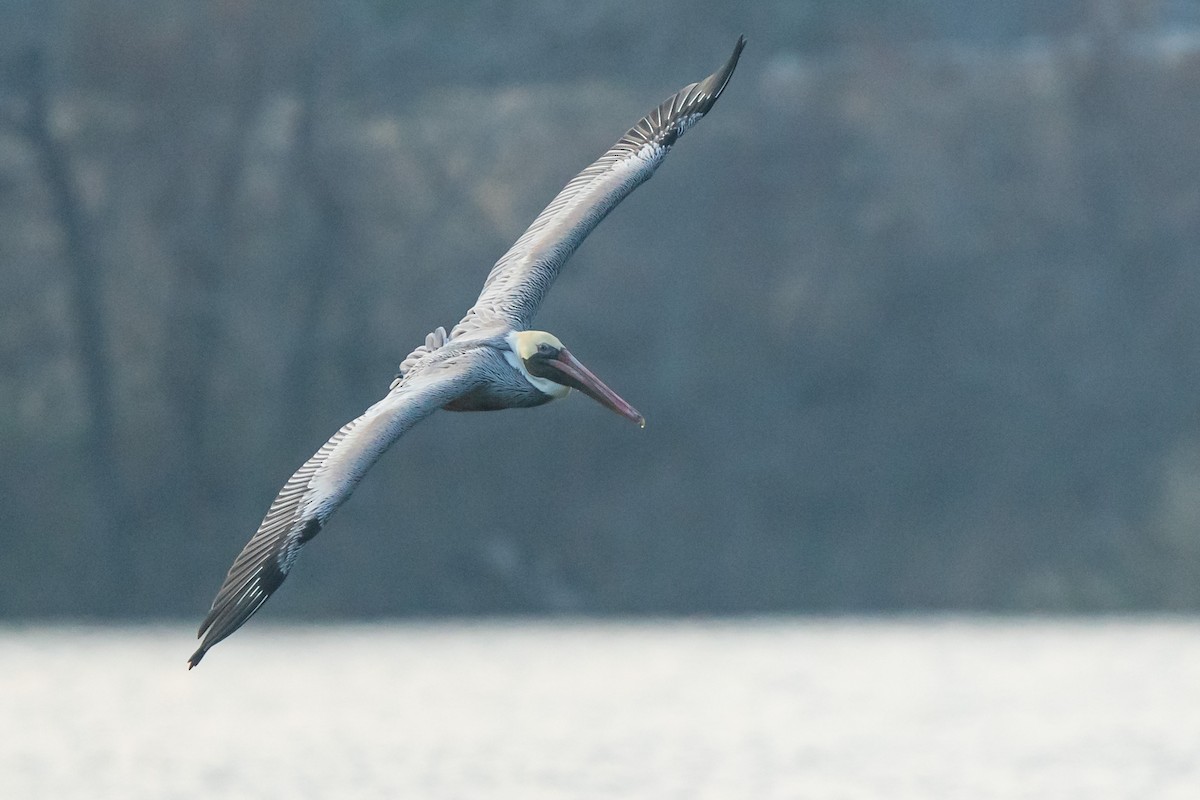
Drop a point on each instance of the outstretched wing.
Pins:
(316, 489)
(520, 279)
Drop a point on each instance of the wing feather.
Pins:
(316, 489)
(435, 340)
(518, 283)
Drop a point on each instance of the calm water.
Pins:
(761, 709)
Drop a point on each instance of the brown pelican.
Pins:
(490, 360)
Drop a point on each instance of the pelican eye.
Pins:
(545, 350)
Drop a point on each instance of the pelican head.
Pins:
(552, 369)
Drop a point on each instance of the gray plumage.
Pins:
(475, 368)
(518, 283)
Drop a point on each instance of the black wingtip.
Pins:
(196, 656)
(199, 654)
(242, 595)
(722, 76)
(708, 90)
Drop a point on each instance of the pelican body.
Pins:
(491, 359)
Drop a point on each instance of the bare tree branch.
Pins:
(84, 268)
(202, 251)
(317, 268)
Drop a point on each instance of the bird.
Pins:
(490, 360)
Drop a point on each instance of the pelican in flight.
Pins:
(490, 360)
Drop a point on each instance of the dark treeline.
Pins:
(912, 314)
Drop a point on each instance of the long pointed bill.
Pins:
(577, 376)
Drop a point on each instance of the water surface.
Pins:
(955, 708)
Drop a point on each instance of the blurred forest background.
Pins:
(914, 314)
